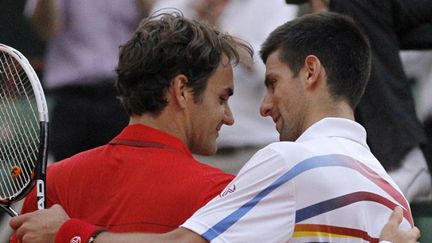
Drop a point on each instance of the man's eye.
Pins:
(271, 83)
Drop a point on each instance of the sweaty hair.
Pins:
(341, 47)
(164, 46)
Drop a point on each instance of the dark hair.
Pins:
(339, 44)
(166, 45)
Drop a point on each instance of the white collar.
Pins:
(336, 127)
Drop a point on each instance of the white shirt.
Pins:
(324, 187)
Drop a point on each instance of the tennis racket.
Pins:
(23, 130)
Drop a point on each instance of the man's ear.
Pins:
(179, 90)
(315, 72)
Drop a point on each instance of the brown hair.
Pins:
(166, 45)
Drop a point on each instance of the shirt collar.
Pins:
(140, 132)
(335, 127)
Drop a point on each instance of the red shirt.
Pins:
(132, 185)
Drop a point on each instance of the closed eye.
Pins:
(223, 99)
(269, 83)
(226, 95)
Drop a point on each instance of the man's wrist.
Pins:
(75, 230)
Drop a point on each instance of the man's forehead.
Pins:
(275, 63)
(222, 78)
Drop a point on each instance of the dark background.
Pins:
(15, 31)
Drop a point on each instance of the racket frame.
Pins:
(39, 177)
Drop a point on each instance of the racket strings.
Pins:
(13, 148)
(10, 148)
(7, 119)
(19, 128)
(15, 182)
(25, 89)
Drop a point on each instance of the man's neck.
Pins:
(163, 122)
(338, 109)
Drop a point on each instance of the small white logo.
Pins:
(228, 190)
(76, 239)
(40, 194)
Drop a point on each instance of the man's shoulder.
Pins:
(280, 156)
(81, 161)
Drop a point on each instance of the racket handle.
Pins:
(8, 210)
(40, 193)
(41, 166)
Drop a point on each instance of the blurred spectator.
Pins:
(16, 32)
(251, 20)
(418, 66)
(82, 49)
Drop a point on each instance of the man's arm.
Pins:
(41, 227)
(179, 235)
(390, 233)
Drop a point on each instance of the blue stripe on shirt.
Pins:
(314, 162)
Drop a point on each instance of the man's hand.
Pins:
(40, 226)
(392, 233)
